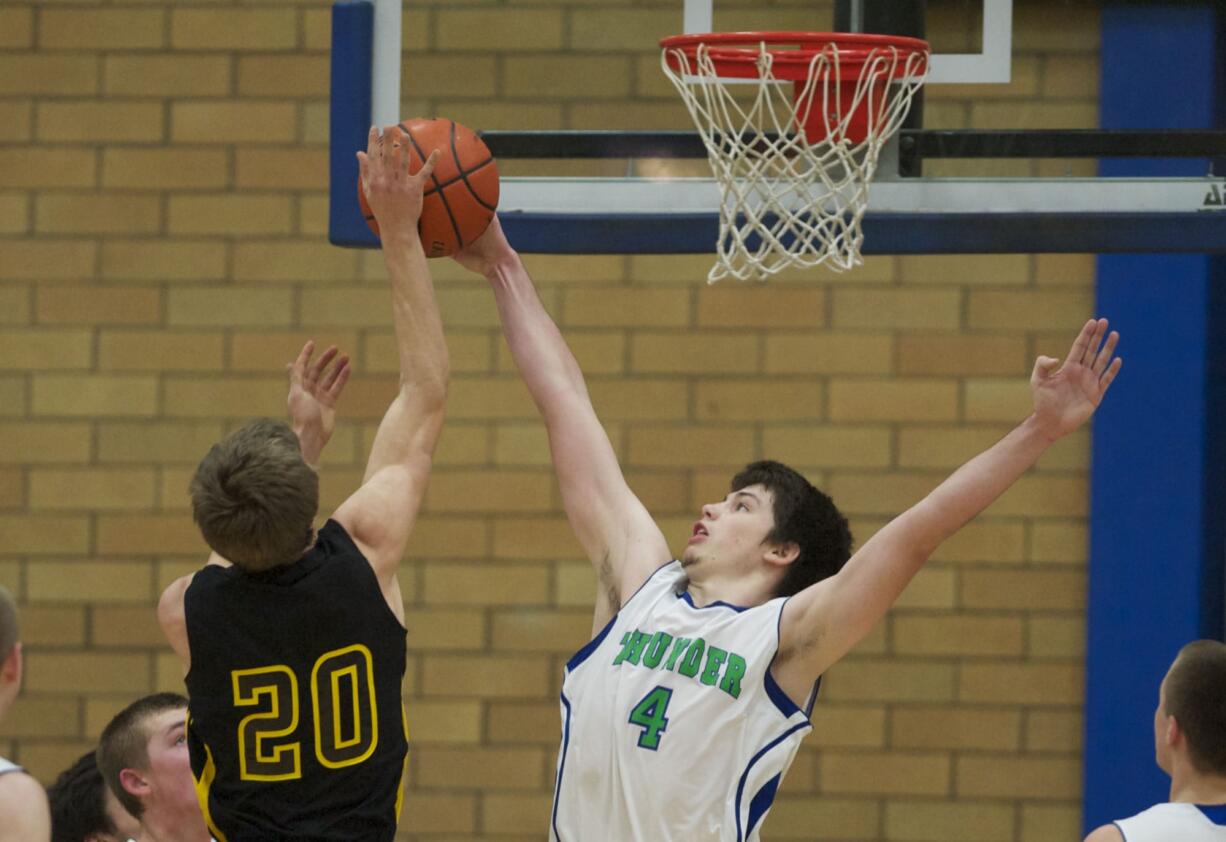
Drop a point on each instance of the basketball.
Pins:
(463, 194)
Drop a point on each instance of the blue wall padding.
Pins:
(352, 51)
(1155, 544)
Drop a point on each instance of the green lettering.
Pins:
(648, 714)
(715, 659)
(678, 648)
(626, 640)
(632, 647)
(693, 658)
(733, 674)
(655, 652)
(636, 646)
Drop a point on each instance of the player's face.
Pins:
(730, 534)
(1162, 751)
(170, 771)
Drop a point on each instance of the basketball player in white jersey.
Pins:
(23, 804)
(681, 716)
(1190, 746)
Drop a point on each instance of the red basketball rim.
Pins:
(735, 54)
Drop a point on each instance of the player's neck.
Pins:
(1189, 786)
(742, 591)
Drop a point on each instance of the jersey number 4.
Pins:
(343, 712)
(648, 714)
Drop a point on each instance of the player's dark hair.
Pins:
(803, 516)
(255, 498)
(124, 743)
(9, 633)
(78, 802)
(1195, 694)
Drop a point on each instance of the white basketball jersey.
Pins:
(1176, 823)
(672, 727)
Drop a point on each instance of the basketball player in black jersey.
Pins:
(293, 640)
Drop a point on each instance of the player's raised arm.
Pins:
(617, 533)
(380, 515)
(824, 621)
(315, 386)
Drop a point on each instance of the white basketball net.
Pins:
(783, 200)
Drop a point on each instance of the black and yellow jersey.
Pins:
(296, 726)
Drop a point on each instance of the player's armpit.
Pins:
(804, 641)
(24, 815)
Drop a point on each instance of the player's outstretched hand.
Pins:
(314, 388)
(483, 253)
(394, 194)
(1066, 394)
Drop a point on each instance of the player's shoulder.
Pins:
(17, 781)
(649, 581)
(23, 802)
(1106, 833)
(170, 604)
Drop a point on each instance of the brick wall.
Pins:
(163, 254)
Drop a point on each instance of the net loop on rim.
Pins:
(795, 149)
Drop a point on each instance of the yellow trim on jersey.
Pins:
(244, 696)
(359, 738)
(404, 772)
(350, 672)
(203, 783)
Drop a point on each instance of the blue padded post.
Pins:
(1155, 532)
(352, 38)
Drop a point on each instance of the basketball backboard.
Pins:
(619, 171)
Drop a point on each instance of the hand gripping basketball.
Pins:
(395, 194)
(461, 194)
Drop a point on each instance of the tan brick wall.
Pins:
(162, 208)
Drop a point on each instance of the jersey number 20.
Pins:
(342, 680)
(648, 714)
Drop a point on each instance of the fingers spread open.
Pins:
(397, 157)
(322, 362)
(339, 377)
(1112, 370)
(1096, 339)
(330, 375)
(298, 366)
(1105, 353)
(427, 169)
(1082, 342)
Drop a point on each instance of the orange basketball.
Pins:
(460, 199)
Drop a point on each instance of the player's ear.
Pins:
(10, 670)
(134, 782)
(783, 554)
(1173, 733)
